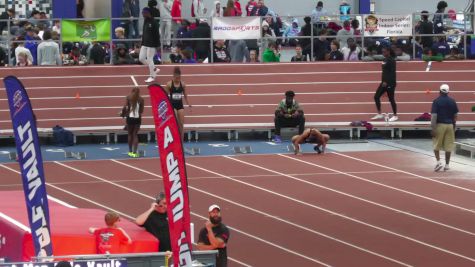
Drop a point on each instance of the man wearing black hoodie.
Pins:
(150, 42)
(202, 47)
(152, 4)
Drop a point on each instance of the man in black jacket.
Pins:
(202, 47)
(425, 27)
(150, 42)
(6, 15)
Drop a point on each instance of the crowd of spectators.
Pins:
(321, 37)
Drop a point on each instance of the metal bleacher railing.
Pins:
(459, 30)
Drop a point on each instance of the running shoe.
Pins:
(378, 117)
(446, 168)
(393, 118)
(317, 149)
(438, 167)
(131, 154)
(149, 80)
(277, 139)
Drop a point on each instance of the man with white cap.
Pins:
(444, 116)
(215, 235)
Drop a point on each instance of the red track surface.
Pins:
(329, 92)
(332, 210)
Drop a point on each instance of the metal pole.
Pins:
(465, 37)
(211, 56)
(311, 41)
(362, 36)
(61, 40)
(111, 43)
(8, 44)
(161, 37)
(413, 38)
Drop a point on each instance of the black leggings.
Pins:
(133, 138)
(390, 92)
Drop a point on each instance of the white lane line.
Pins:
(107, 208)
(267, 214)
(429, 65)
(338, 214)
(406, 172)
(397, 211)
(144, 195)
(133, 80)
(384, 185)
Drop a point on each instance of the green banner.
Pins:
(86, 31)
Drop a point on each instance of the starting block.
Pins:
(12, 155)
(242, 150)
(192, 151)
(76, 155)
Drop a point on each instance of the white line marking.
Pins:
(106, 207)
(429, 65)
(397, 211)
(61, 202)
(338, 214)
(267, 214)
(144, 195)
(133, 80)
(408, 173)
(15, 222)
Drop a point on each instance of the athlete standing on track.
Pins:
(176, 90)
(132, 110)
(150, 42)
(388, 84)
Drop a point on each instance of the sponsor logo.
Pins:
(18, 101)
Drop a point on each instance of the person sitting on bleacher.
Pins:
(288, 114)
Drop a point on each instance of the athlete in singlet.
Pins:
(176, 89)
(311, 136)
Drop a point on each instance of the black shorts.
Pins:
(178, 105)
(134, 121)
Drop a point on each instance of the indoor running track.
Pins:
(352, 209)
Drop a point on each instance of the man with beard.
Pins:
(155, 221)
(215, 235)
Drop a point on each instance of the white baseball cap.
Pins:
(444, 88)
(212, 207)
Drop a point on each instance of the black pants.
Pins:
(389, 90)
(281, 121)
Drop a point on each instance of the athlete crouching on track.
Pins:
(311, 136)
(176, 90)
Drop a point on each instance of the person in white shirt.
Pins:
(165, 8)
(21, 49)
(217, 10)
(48, 51)
(317, 15)
(198, 9)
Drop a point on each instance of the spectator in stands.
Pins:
(355, 25)
(345, 33)
(292, 32)
(220, 52)
(63, 264)
(187, 57)
(250, 6)
(8, 15)
(215, 235)
(176, 89)
(57, 26)
(441, 47)
(201, 47)
(275, 23)
(311, 136)
(21, 49)
(430, 55)
(425, 27)
(32, 43)
(438, 19)
(307, 30)
(166, 22)
(23, 60)
(253, 56)
(230, 10)
(150, 42)
(271, 54)
(79, 9)
(288, 114)
(3, 57)
(132, 111)
(335, 53)
(400, 54)
(44, 20)
(237, 7)
(48, 51)
(238, 51)
(176, 15)
(155, 221)
(388, 85)
(35, 16)
(298, 55)
(443, 122)
(317, 14)
(135, 13)
(184, 32)
(112, 238)
(97, 54)
(259, 9)
(122, 57)
(176, 55)
(351, 52)
(321, 46)
(198, 10)
(267, 34)
(154, 11)
(120, 37)
(217, 10)
(454, 54)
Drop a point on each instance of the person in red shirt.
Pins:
(237, 8)
(250, 5)
(111, 239)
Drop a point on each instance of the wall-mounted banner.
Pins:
(86, 31)
(235, 28)
(387, 25)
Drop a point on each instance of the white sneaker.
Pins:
(149, 80)
(438, 167)
(446, 168)
(393, 118)
(378, 117)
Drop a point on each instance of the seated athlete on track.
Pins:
(311, 136)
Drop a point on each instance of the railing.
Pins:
(459, 28)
